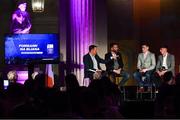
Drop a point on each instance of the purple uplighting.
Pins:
(22, 76)
(82, 29)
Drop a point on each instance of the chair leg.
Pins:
(137, 96)
(155, 89)
(151, 92)
(124, 93)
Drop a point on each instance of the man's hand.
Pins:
(98, 70)
(143, 70)
(114, 57)
(26, 30)
(118, 71)
(161, 73)
(97, 74)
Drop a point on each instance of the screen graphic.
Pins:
(25, 48)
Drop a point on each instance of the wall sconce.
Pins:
(38, 5)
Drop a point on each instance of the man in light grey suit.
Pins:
(166, 63)
(145, 66)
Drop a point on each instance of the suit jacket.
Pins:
(170, 63)
(88, 64)
(110, 62)
(149, 62)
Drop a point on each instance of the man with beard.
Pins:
(114, 65)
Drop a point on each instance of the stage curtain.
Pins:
(82, 33)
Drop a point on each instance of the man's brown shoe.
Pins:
(141, 89)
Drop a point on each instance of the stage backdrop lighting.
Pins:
(38, 5)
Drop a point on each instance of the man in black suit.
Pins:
(114, 64)
(92, 62)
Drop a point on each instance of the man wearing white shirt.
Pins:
(166, 63)
(95, 65)
(165, 60)
(92, 63)
(145, 66)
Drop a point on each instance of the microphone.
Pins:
(115, 56)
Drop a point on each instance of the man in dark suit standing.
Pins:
(114, 64)
(92, 63)
(166, 63)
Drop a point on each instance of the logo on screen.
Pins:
(50, 48)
